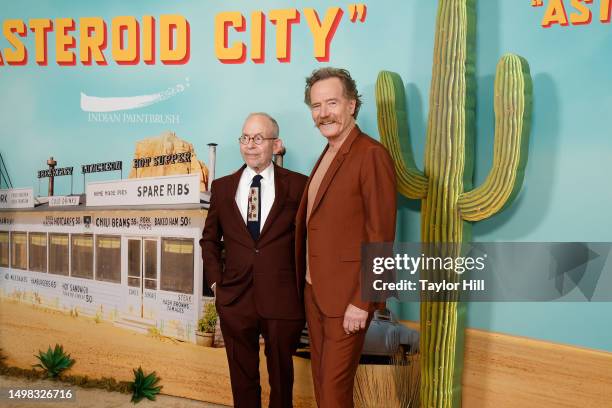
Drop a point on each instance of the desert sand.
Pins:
(103, 350)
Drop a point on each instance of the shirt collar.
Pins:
(267, 174)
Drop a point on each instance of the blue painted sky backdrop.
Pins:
(566, 194)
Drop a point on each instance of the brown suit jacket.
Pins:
(268, 263)
(355, 204)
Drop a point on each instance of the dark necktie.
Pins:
(254, 207)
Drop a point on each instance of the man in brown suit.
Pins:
(252, 211)
(350, 200)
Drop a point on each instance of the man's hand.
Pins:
(354, 319)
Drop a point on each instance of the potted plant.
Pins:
(206, 326)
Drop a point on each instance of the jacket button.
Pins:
(256, 250)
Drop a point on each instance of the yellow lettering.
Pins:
(584, 16)
(125, 50)
(171, 33)
(237, 52)
(283, 19)
(40, 27)
(555, 14)
(323, 33)
(63, 42)
(148, 39)
(605, 11)
(171, 27)
(93, 40)
(258, 37)
(18, 55)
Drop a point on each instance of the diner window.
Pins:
(4, 249)
(82, 256)
(177, 265)
(58, 254)
(108, 258)
(19, 250)
(134, 258)
(150, 264)
(38, 252)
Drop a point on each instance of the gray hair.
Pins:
(275, 129)
(348, 83)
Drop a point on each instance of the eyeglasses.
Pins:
(258, 139)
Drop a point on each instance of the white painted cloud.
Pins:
(118, 103)
(100, 104)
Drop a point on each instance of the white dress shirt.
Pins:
(267, 195)
(267, 192)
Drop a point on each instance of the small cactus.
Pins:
(145, 386)
(53, 362)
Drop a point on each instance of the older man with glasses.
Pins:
(252, 211)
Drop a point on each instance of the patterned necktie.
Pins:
(254, 207)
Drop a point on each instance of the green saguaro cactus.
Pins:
(449, 204)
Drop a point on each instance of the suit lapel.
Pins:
(333, 167)
(303, 208)
(237, 216)
(280, 194)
